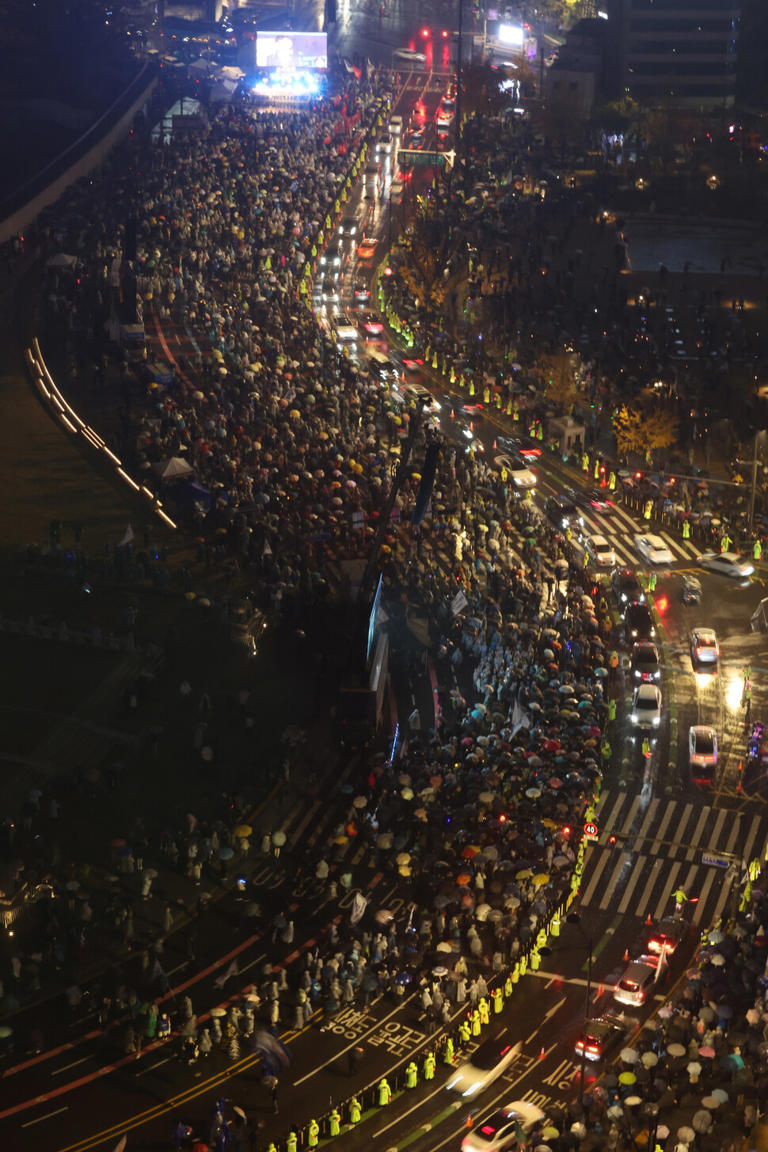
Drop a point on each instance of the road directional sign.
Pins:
(715, 861)
(418, 158)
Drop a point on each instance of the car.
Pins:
(644, 661)
(413, 394)
(415, 138)
(626, 587)
(330, 264)
(653, 550)
(345, 334)
(525, 446)
(598, 1037)
(361, 293)
(638, 623)
(348, 226)
(444, 117)
(519, 472)
(374, 330)
(593, 500)
(413, 368)
(600, 551)
(704, 646)
(485, 1065)
(409, 56)
(646, 706)
(472, 411)
(396, 125)
(366, 249)
(384, 143)
(330, 292)
(561, 511)
(638, 981)
(396, 189)
(702, 753)
(666, 935)
(731, 564)
(504, 1128)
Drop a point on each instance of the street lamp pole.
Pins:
(587, 1003)
(753, 489)
(458, 79)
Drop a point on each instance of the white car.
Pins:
(646, 706)
(654, 550)
(600, 551)
(414, 393)
(409, 55)
(384, 143)
(485, 1065)
(702, 751)
(504, 1128)
(519, 472)
(637, 982)
(396, 188)
(704, 646)
(727, 564)
(396, 125)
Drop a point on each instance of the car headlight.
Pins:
(634, 718)
(656, 721)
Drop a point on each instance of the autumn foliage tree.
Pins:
(643, 429)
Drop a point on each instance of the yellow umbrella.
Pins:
(243, 830)
(550, 823)
(341, 840)
(524, 875)
(540, 880)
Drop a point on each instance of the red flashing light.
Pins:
(425, 32)
(662, 603)
(445, 34)
(387, 271)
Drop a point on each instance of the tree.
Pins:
(422, 273)
(481, 90)
(643, 430)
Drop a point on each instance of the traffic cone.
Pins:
(469, 1121)
(626, 955)
(649, 921)
(494, 446)
(453, 414)
(542, 1053)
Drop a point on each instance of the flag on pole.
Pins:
(127, 536)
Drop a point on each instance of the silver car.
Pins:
(485, 1065)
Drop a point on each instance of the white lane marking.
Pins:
(47, 1116)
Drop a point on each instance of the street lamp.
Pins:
(575, 918)
(753, 488)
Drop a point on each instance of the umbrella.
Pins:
(702, 1121)
(243, 831)
(225, 853)
(550, 1132)
(444, 946)
(384, 840)
(715, 936)
(384, 916)
(629, 1056)
(720, 1095)
(717, 959)
(120, 1146)
(724, 1011)
(511, 902)
(627, 1078)
(707, 1052)
(218, 1013)
(441, 970)
(5, 1031)
(402, 858)
(278, 838)
(686, 1135)
(649, 1059)
(675, 1050)
(406, 793)
(540, 880)
(710, 1102)
(486, 797)
(470, 851)
(482, 911)
(463, 878)
(615, 1112)
(525, 874)
(359, 802)
(533, 793)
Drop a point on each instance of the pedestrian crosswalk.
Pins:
(661, 845)
(620, 528)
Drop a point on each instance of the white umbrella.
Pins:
(359, 802)
(278, 838)
(481, 912)
(629, 1056)
(649, 1059)
(718, 960)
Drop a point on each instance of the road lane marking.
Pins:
(74, 1064)
(47, 1116)
(595, 877)
(635, 875)
(621, 863)
(151, 1067)
(547, 1015)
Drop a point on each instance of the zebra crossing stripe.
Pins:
(704, 892)
(662, 830)
(627, 826)
(621, 863)
(670, 884)
(750, 841)
(632, 884)
(650, 884)
(653, 808)
(595, 877)
(699, 830)
(611, 819)
(681, 546)
(725, 892)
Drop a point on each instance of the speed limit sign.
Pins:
(590, 831)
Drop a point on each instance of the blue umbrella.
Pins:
(225, 853)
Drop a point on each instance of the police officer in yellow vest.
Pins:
(686, 529)
(464, 1033)
(429, 1066)
(448, 1052)
(475, 1022)
(484, 1010)
(508, 986)
(516, 972)
(291, 1142)
(313, 1134)
(554, 926)
(384, 1092)
(355, 1111)
(535, 960)
(334, 1122)
(498, 1000)
(411, 1075)
(504, 474)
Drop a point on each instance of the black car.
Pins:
(562, 512)
(600, 1036)
(645, 661)
(666, 935)
(593, 500)
(626, 587)
(638, 623)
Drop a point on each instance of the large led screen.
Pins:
(290, 50)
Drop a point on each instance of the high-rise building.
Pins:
(676, 52)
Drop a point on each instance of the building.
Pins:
(675, 52)
(577, 72)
